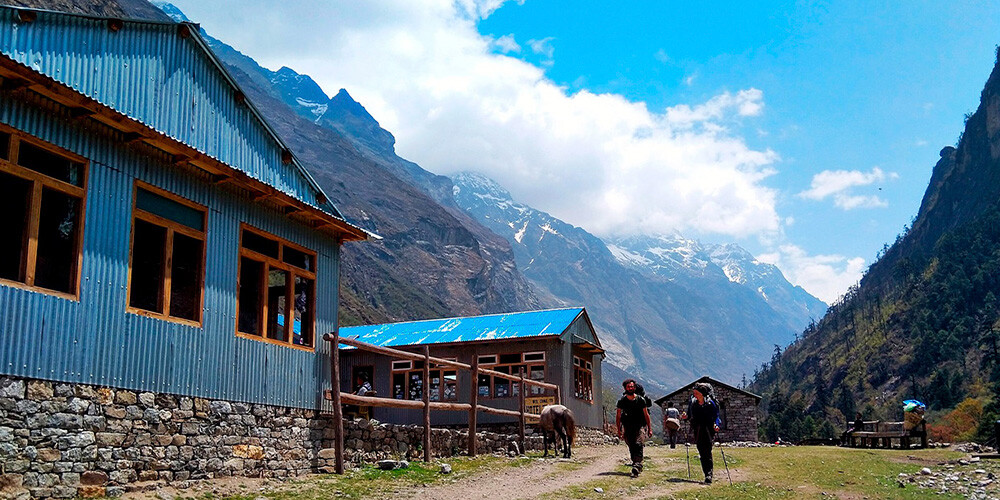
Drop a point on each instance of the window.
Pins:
(583, 378)
(408, 381)
(276, 298)
(532, 365)
(167, 258)
(42, 191)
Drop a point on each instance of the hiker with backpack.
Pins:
(631, 417)
(703, 415)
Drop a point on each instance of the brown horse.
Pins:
(557, 420)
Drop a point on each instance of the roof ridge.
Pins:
(466, 317)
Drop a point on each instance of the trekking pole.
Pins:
(726, 464)
(687, 448)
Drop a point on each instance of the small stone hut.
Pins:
(737, 410)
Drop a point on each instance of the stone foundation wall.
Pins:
(66, 440)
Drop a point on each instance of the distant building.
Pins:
(737, 410)
(557, 346)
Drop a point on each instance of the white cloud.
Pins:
(595, 160)
(507, 44)
(662, 56)
(825, 276)
(838, 184)
(543, 47)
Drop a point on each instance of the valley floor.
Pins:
(600, 472)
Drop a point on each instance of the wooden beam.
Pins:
(11, 83)
(427, 403)
(520, 420)
(474, 398)
(81, 112)
(379, 402)
(338, 411)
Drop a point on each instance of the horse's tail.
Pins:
(570, 427)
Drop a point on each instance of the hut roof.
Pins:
(552, 322)
(710, 380)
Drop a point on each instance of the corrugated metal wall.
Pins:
(95, 341)
(150, 73)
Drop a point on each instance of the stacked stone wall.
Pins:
(66, 440)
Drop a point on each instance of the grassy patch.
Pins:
(369, 481)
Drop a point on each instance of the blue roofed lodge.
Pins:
(557, 346)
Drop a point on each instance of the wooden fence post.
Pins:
(520, 427)
(338, 412)
(427, 403)
(558, 397)
(474, 401)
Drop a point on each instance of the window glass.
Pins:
(483, 386)
(488, 360)
(15, 196)
(149, 243)
(57, 241)
(501, 386)
(435, 385)
(251, 276)
(506, 359)
(277, 304)
(416, 385)
(4, 146)
(297, 258)
(450, 385)
(399, 385)
(537, 372)
(50, 164)
(185, 277)
(302, 330)
(169, 209)
(260, 244)
(534, 356)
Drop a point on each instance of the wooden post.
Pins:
(474, 401)
(427, 403)
(338, 412)
(520, 425)
(558, 396)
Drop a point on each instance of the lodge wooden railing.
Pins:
(473, 407)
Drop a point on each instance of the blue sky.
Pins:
(805, 131)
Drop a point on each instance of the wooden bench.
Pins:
(876, 434)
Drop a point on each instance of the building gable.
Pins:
(161, 75)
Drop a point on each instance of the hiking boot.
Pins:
(635, 471)
(708, 478)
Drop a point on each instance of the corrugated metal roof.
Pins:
(467, 329)
(174, 84)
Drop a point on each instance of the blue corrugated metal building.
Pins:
(558, 346)
(158, 234)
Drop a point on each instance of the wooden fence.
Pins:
(472, 407)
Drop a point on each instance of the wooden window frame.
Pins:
(582, 375)
(409, 370)
(277, 263)
(528, 365)
(38, 182)
(171, 227)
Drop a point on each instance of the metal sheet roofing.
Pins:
(162, 75)
(467, 329)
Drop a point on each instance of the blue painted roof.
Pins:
(170, 82)
(467, 329)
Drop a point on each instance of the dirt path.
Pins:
(542, 476)
(591, 467)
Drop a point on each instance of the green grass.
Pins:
(371, 482)
(769, 473)
(758, 473)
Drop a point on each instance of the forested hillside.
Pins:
(923, 323)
